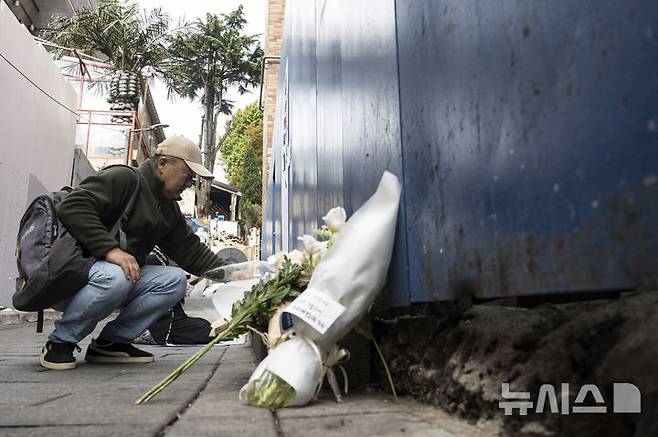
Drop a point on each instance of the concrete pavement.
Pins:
(98, 400)
(9, 316)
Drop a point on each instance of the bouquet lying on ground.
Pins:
(342, 288)
(333, 284)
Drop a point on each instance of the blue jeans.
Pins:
(141, 304)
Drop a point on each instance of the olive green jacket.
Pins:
(96, 204)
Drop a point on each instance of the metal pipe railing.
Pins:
(262, 77)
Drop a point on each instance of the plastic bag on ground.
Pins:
(222, 286)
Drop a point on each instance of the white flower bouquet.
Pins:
(345, 281)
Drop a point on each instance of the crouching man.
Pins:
(120, 279)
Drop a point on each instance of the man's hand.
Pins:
(126, 261)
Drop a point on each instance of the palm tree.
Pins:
(210, 56)
(128, 39)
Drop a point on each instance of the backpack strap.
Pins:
(40, 321)
(118, 226)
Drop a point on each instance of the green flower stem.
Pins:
(268, 391)
(186, 365)
(388, 372)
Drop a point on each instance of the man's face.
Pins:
(176, 176)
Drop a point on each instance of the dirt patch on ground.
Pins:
(458, 361)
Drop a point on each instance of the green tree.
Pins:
(128, 39)
(209, 57)
(242, 153)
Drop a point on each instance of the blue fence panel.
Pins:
(525, 134)
(302, 122)
(529, 145)
(371, 117)
(275, 213)
(329, 106)
(267, 235)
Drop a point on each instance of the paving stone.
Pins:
(80, 430)
(218, 411)
(10, 316)
(98, 400)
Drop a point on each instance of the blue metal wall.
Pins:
(525, 134)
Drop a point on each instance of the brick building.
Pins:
(274, 36)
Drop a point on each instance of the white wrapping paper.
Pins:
(297, 362)
(352, 273)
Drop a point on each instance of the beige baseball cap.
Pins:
(180, 147)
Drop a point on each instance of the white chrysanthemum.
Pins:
(296, 257)
(313, 246)
(335, 218)
(276, 260)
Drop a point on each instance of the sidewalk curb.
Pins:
(10, 316)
